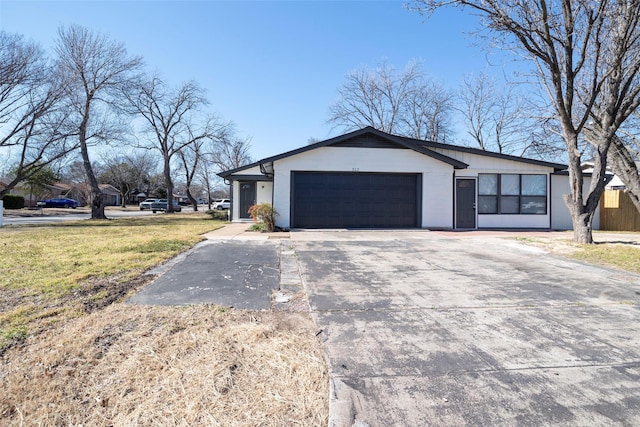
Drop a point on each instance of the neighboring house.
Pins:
(78, 192)
(30, 198)
(371, 179)
(59, 189)
(82, 192)
(615, 183)
(111, 194)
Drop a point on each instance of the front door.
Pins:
(247, 198)
(465, 203)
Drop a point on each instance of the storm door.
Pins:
(247, 198)
(465, 203)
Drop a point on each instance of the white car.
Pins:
(221, 204)
(147, 204)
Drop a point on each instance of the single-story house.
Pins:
(30, 198)
(82, 193)
(111, 193)
(615, 182)
(372, 179)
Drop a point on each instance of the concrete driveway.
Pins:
(441, 329)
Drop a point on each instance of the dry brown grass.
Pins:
(162, 366)
(71, 353)
(621, 251)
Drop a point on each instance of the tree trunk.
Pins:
(582, 221)
(192, 199)
(583, 228)
(582, 212)
(169, 182)
(124, 191)
(97, 200)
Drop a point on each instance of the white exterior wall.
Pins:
(264, 190)
(436, 177)
(483, 164)
(437, 183)
(559, 211)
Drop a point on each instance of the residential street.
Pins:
(56, 215)
(440, 329)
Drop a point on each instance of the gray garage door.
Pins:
(355, 200)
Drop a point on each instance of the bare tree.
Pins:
(193, 159)
(198, 157)
(126, 173)
(75, 174)
(33, 128)
(427, 112)
(500, 119)
(96, 70)
(190, 157)
(172, 121)
(230, 151)
(207, 178)
(405, 103)
(227, 151)
(586, 57)
(494, 119)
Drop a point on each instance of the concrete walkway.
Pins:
(232, 268)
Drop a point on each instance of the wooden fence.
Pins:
(617, 212)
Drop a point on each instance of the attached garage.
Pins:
(355, 200)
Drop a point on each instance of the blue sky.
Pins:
(273, 67)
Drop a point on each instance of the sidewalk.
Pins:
(234, 267)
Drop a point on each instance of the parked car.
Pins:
(221, 204)
(147, 204)
(187, 202)
(161, 205)
(59, 202)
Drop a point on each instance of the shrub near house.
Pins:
(264, 215)
(12, 201)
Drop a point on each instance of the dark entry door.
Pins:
(355, 200)
(465, 203)
(247, 198)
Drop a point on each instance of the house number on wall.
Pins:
(355, 169)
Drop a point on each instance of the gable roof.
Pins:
(385, 140)
(108, 189)
(478, 151)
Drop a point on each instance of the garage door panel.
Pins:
(355, 200)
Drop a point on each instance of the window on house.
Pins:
(512, 194)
